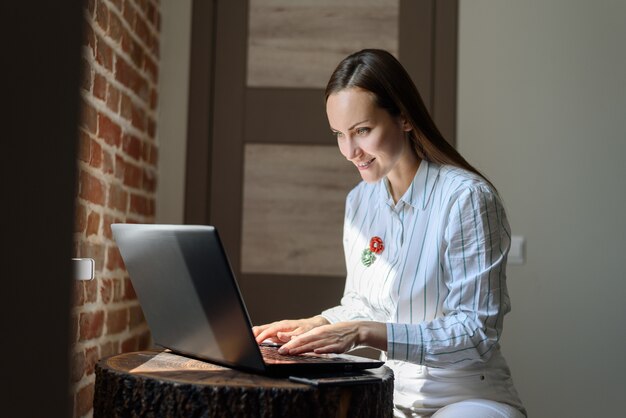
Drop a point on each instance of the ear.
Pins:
(406, 126)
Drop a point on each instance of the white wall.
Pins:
(172, 122)
(542, 111)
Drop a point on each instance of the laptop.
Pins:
(193, 306)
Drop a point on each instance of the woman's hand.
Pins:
(283, 331)
(338, 338)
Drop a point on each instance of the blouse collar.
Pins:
(419, 192)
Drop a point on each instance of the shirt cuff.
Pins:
(333, 315)
(405, 342)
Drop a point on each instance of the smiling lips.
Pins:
(364, 165)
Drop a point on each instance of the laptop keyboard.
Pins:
(272, 354)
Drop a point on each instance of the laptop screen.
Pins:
(189, 297)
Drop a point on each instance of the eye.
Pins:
(362, 131)
(337, 134)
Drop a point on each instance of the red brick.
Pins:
(126, 75)
(74, 327)
(99, 87)
(91, 6)
(79, 294)
(106, 226)
(78, 366)
(154, 99)
(149, 180)
(131, 145)
(129, 290)
(118, 198)
(89, 39)
(118, 5)
(102, 15)
(109, 131)
(129, 77)
(133, 175)
(138, 204)
(136, 316)
(80, 218)
(130, 344)
(154, 46)
(91, 358)
(129, 13)
(142, 5)
(95, 251)
(120, 168)
(154, 155)
(118, 290)
(84, 400)
(83, 146)
(114, 259)
(141, 29)
(126, 107)
(106, 290)
(115, 28)
(90, 289)
(95, 159)
(151, 14)
(91, 325)
(91, 189)
(104, 54)
(145, 151)
(108, 166)
(113, 99)
(93, 224)
(135, 51)
(151, 128)
(117, 321)
(139, 118)
(89, 117)
(143, 91)
(86, 75)
(151, 69)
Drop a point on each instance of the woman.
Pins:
(426, 241)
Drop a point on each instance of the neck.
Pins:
(400, 179)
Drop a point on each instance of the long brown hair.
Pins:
(380, 73)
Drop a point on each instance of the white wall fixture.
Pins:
(84, 268)
(517, 253)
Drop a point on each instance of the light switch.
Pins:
(84, 268)
(517, 253)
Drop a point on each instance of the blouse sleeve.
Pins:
(352, 306)
(474, 250)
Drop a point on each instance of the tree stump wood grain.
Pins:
(163, 384)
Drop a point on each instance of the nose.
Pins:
(350, 149)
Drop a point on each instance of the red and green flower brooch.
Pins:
(368, 255)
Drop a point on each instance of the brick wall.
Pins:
(116, 178)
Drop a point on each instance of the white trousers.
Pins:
(478, 408)
(470, 408)
(421, 391)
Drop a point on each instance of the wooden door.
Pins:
(262, 164)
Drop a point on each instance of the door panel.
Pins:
(293, 209)
(296, 44)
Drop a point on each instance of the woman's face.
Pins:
(368, 136)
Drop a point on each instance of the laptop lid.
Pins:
(192, 302)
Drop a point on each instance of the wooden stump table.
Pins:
(163, 384)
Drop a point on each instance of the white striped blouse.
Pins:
(439, 282)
